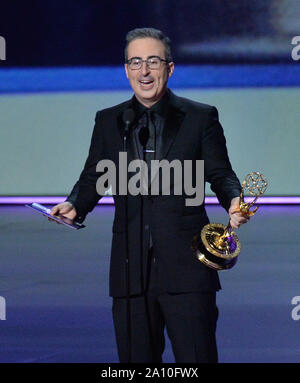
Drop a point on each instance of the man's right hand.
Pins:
(66, 209)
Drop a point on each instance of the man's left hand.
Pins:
(236, 217)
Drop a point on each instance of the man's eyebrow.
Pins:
(149, 57)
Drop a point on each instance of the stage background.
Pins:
(65, 62)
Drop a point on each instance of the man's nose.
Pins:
(145, 69)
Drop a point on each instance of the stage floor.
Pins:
(55, 284)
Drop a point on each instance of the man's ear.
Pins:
(126, 70)
(170, 68)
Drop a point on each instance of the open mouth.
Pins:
(146, 84)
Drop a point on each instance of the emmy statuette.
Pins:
(218, 246)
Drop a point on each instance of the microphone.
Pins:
(128, 118)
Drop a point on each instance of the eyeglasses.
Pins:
(153, 62)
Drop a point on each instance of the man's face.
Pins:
(149, 85)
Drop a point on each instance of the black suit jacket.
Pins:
(191, 132)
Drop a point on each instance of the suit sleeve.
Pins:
(217, 167)
(84, 195)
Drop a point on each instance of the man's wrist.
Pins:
(235, 200)
(70, 202)
(80, 215)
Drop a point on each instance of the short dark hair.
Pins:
(141, 33)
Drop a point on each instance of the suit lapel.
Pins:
(174, 119)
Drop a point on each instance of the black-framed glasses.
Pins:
(153, 62)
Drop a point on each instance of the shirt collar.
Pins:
(159, 107)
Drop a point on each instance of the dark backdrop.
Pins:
(92, 32)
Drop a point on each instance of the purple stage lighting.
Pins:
(52, 200)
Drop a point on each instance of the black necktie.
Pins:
(150, 145)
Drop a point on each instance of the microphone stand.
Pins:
(127, 278)
(144, 136)
(128, 120)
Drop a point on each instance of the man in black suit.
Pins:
(168, 287)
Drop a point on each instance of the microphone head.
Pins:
(128, 116)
